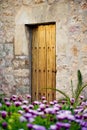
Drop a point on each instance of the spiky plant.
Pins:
(77, 92)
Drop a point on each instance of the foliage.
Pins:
(16, 114)
(46, 121)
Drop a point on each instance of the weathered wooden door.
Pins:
(43, 62)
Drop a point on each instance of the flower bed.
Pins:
(18, 114)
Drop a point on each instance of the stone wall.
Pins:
(71, 41)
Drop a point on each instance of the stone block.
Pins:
(84, 5)
(21, 73)
(6, 89)
(8, 62)
(2, 52)
(2, 34)
(26, 81)
(8, 48)
(9, 79)
(22, 81)
(39, 1)
(2, 62)
(27, 2)
(74, 50)
(51, 1)
(8, 70)
(1, 47)
(84, 48)
(18, 63)
(22, 90)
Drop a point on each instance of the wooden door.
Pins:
(43, 62)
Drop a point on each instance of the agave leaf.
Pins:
(79, 85)
(84, 86)
(72, 88)
(79, 78)
(65, 95)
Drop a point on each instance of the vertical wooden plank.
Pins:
(41, 62)
(34, 64)
(53, 47)
(50, 41)
(49, 63)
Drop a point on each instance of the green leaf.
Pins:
(79, 78)
(65, 95)
(79, 84)
(72, 88)
(81, 89)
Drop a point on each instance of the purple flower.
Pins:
(22, 119)
(55, 101)
(4, 125)
(51, 103)
(53, 127)
(41, 113)
(25, 102)
(34, 113)
(55, 109)
(30, 126)
(78, 116)
(85, 115)
(4, 114)
(70, 117)
(63, 102)
(38, 127)
(58, 106)
(31, 119)
(42, 107)
(47, 106)
(14, 96)
(78, 110)
(61, 117)
(27, 115)
(6, 99)
(36, 102)
(84, 128)
(84, 123)
(20, 99)
(17, 103)
(43, 98)
(65, 114)
(13, 99)
(31, 106)
(81, 97)
(24, 107)
(8, 104)
(72, 101)
(28, 96)
(48, 110)
(61, 124)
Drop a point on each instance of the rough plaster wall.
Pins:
(14, 69)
